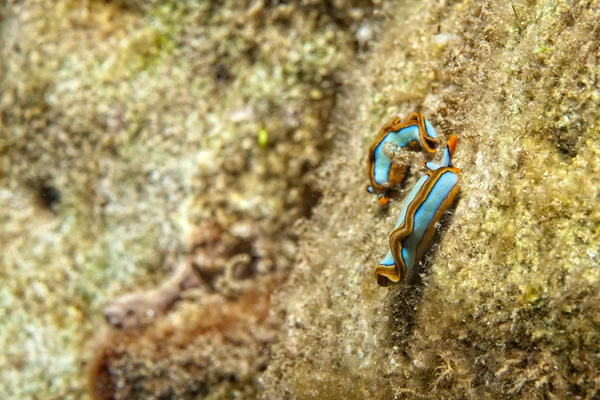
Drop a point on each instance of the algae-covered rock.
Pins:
(506, 305)
(227, 141)
(130, 129)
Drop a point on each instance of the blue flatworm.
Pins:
(432, 195)
(384, 174)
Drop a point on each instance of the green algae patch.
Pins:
(263, 138)
(150, 44)
(139, 53)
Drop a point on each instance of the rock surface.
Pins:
(139, 135)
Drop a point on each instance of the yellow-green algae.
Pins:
(507, 307)
(142, 117)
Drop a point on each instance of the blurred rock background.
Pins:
(227, 140)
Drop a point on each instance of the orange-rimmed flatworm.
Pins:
(432, 195)
(383, 173)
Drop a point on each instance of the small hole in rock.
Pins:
(49, 196)
(311, 197)
(222, 74)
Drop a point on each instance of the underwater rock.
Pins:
(135, 309)
(506, 303)
(235, 135)
(209, 348)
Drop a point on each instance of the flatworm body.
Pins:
(384, 174)
(432, 195)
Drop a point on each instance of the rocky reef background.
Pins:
(209, 157)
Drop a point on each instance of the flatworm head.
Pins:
(433, 194)
(384, 174)
(384, 200)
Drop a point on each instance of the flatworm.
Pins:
(384, 174)
(432, 195)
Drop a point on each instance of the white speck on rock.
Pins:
(364, 35)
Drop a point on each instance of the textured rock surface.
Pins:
(506, 306)
(136, 135)
(130, 129)
(213, 351)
